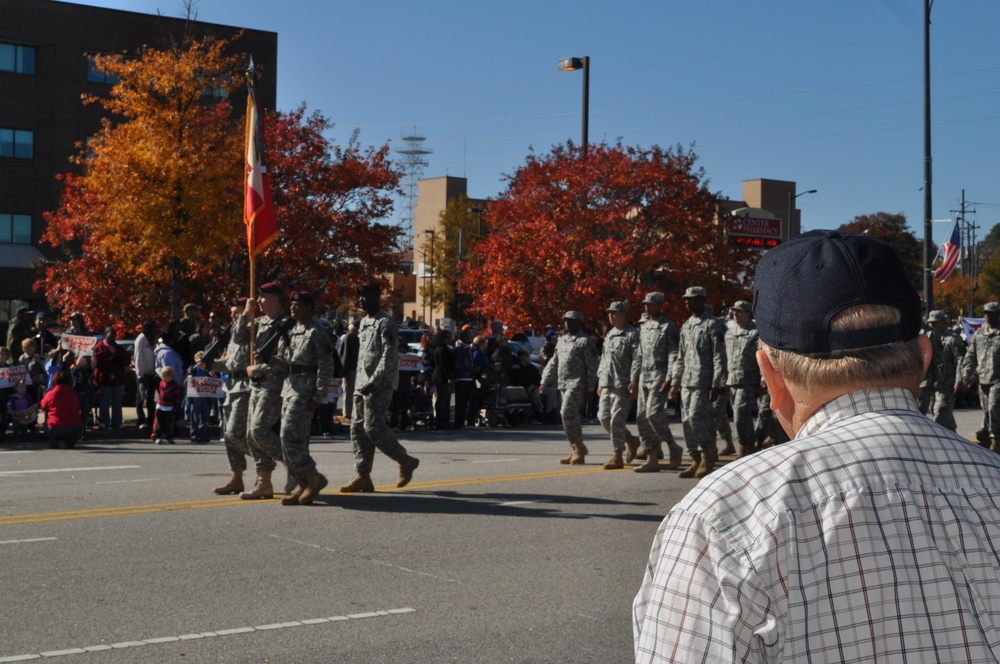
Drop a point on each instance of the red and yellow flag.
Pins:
(262, 226)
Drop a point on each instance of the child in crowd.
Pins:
(83, 385)
(201, 406)
(168, 404)
(22, 409)
(62, 411)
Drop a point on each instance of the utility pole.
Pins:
(928, 179)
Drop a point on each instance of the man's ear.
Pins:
(926, 351)
(775, 382)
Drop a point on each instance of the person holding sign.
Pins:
(201, 405)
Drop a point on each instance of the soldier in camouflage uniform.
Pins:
(573, 369)
(744, 374)
(376, 379)
(306, 361)
(700, 370)
(982, 365)
(928, 386)
(659, 339)
(265, 396)
(720, 408)
(615, 388)
(948, 381)
(237, 404)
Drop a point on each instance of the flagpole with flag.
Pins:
(951, 249)
(258, 213)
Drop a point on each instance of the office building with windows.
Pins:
(46, 65)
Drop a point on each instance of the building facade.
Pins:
(46, 65)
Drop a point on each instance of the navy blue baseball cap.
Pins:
(801, 285)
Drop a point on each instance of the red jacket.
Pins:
(62, 408)
(110, 364)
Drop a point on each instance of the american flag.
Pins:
(952, 249)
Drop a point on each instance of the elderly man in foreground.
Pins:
(872, 535)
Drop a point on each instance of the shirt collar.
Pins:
(858, 403)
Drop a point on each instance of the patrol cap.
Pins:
(937, 315)
(655, 297)
(992, 307)
(619, 306)
(303, 297)
(802, 284)
(742, 305)
(694, 291)
(270, 288)
(573, 315)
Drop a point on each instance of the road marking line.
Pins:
(18, 452)
(522, 502)
(25, 541)
(8, 473)
(496, 460)
(148, 479)
(200, 635)
(226, 501)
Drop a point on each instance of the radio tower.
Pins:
(413, 162)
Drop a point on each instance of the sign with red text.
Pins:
(80, 345)
(335, 390)
(205, 386)
(9, 376)
(410, 362)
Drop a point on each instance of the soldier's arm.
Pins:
(551, 372)
(388, 364)
(323, 347)
(241, 331)
(590, 358)
(635, 371)
(673, 354)
(677, 366)
(719, 356)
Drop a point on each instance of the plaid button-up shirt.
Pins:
(872, 537)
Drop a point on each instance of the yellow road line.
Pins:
(128, 510)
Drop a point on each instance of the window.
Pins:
(15, 228)
(16, 58)
(17, 143)
(95, 75)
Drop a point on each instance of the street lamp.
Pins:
(572, 64)
(791, 206)
(431, 231)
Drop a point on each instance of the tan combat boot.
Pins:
(406, 467)
(651, 465)
(262, 489)
(360, 484)
(235, 483)
(579, 452)
(566, 460)
(693, 468)
(290, 484)
(292, 497)
(632, 445)
(708, 459)
(676, 455)
(615, 462)
(315, 482)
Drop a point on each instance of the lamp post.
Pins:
(431, 231)
(791, 207)
(572, 64)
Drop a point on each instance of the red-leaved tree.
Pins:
(574, 232)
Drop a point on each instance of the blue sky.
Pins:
(829, 94)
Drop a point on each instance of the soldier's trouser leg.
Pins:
(744, 397)
(943, 409)
(613, 410)
(993, 409)
(721, 412)
(698, 419)
(236, 408)
(925, 399)
(348, 409)
(296, 424)
(984, 400)
(369, 430)
(265, 412)
(657, 418)
(572, 401)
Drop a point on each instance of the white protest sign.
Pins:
(204, 386)
(335, 390)
(410, 362)
(10, 375)
(80, 345)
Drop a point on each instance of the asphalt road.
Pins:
(118, 551)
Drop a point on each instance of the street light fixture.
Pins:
(431, 231)
(791, 206)
(572, 64)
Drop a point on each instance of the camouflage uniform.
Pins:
(743, 380)
(378, 366)
(952, 352)
(614, 373)
(237, 404)
(573, 368)
(982, 363)
(658, 344)
(700, 366)
(306, 360)
(265, 403)
(928, 386)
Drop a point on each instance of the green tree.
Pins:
(893, 230)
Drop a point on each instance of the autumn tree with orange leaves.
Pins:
(577, 232)
(156, 216)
